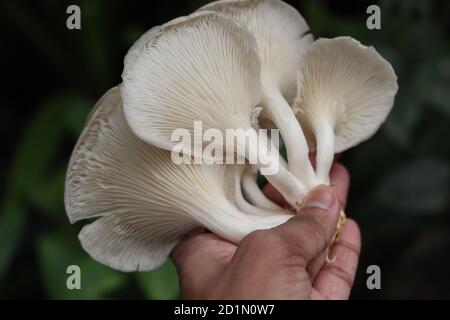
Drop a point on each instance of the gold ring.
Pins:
(337, 234)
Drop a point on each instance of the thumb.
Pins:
(311, 230)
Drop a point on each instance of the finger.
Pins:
(335, 280)
(273, 194)
(315, 265)
(340, 181)
(310, 231)
(201, 257)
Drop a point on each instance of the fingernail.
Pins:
(321, 197)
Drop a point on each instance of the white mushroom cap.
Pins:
(281, 35)
(138, 48)
(145, 203)
(345, 89)
(202, 67)
(199, 68)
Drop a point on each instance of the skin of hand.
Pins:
(285, 262)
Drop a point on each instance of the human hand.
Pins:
(286, 262)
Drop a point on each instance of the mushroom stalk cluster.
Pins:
(233, 64)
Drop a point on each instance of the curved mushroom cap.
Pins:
(144, 201)
(281, 33)
(198, 68)
(138, 48)
(346, 84)
(110, 176)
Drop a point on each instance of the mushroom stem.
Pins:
(268, 162)
(297, 149)
(324, 134)
(233, 224)
(247, 207)
(253, 193)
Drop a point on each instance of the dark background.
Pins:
(52, 76)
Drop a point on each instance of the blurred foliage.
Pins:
(400, 178)
(60, 249)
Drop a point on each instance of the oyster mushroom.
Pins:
(345, 92)
(281, 35)
(253, 193)
(202, 67)
(144, 203)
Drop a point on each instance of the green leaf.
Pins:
(49, 197)
(261, 180)
(131, 34)
(419, 187)
(96, 47)
(36, 150)
(160, 284)
(76, 111)
(38, 146)
(57, 251)
(318, 14)
(12, 221)
(32, 174)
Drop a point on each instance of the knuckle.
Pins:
(256, 238)
(262, 241)
(317, 226)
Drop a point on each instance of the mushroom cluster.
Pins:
(233, 64)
